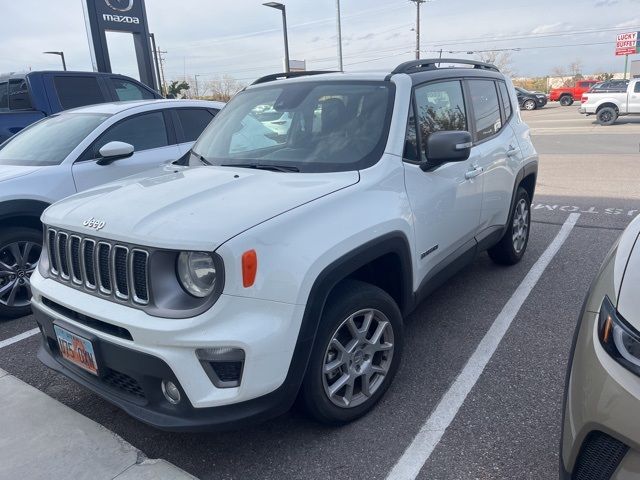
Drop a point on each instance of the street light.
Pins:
(281, 7)
(64, 64)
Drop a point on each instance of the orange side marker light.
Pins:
(249, 268)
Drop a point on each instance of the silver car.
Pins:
(71, 152)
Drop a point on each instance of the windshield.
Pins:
(49, 141)
(305, 126)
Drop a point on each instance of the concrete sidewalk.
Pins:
(40, 438)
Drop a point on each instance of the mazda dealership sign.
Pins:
(128, 16)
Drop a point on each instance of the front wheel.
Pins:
(529, 105)
(19, 252)
(513, 244)
(566, 101)
(356, 354)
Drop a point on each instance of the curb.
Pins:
(43, 439)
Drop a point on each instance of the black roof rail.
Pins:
(414, 66)
(278, 76)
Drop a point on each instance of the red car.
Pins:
(567, 95)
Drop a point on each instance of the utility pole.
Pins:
(163, 88)
(418, 3)
(339, 28)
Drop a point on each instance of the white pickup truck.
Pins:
(609, 106)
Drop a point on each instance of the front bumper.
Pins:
(164, 349)
(602, 412)
(541, 102)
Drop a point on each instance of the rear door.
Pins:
(154, 145)
(190, 123)
(499, 151)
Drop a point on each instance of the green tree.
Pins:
(177, 87)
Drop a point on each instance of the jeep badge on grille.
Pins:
(93, 223)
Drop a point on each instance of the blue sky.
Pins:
(244, 38)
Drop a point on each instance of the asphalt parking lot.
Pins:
(508, 425)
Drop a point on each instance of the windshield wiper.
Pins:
(261, 166)
(201, 158)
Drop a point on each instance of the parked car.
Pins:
(73, 151)
(567, 95)
(601, 420)
(610, 86)
(611, 105)
(27, 98)
(215, 295)
(530, 100)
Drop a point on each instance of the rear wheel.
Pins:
(566, 100)
(607, 116)
(529, 105)
(356, 354)
(513, 244)
(19, 252)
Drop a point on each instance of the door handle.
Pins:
(512, 152)
(473, 173)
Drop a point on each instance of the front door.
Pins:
(634, 98)
(149, 136)
(446, 200)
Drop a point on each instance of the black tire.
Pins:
(529, 105)
(507, 251)
(17, 305)
(607, 116)
(566, 100)
(348, 298)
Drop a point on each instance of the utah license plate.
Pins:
(76, 350)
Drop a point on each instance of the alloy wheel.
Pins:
(358, 358)
(520, 230)
(17, 262)
(529, 105)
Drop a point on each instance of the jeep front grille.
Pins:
(112, 269)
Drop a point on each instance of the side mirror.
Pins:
(445, 147)
(113, 151)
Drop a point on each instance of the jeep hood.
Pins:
(195, 208)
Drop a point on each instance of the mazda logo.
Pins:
(120, 5)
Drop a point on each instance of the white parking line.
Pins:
(418, 452)
(17, 338)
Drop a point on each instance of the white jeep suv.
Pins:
(281, 263)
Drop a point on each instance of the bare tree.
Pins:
(502, 60)
(224, 88)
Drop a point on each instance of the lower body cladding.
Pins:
(225, 368)
(601, 432)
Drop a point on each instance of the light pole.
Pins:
(197, 90)
(64, 64)
(281, 7)
(339, 28)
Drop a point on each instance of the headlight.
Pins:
(541, 96)
(197, 273)
(618, 338)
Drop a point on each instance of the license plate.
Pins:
(76, 350)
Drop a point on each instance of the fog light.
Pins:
(170, 392)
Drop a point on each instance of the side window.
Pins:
(78, 91)
(126, 90)
(636, 89)
(411, 140)
(194, 121)
(440, 107)
(19, 95)
(4, 95)
(486, 109)
(144, 132)
(506, 100)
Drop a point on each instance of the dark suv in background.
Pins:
(27, 98)
(530, 100)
